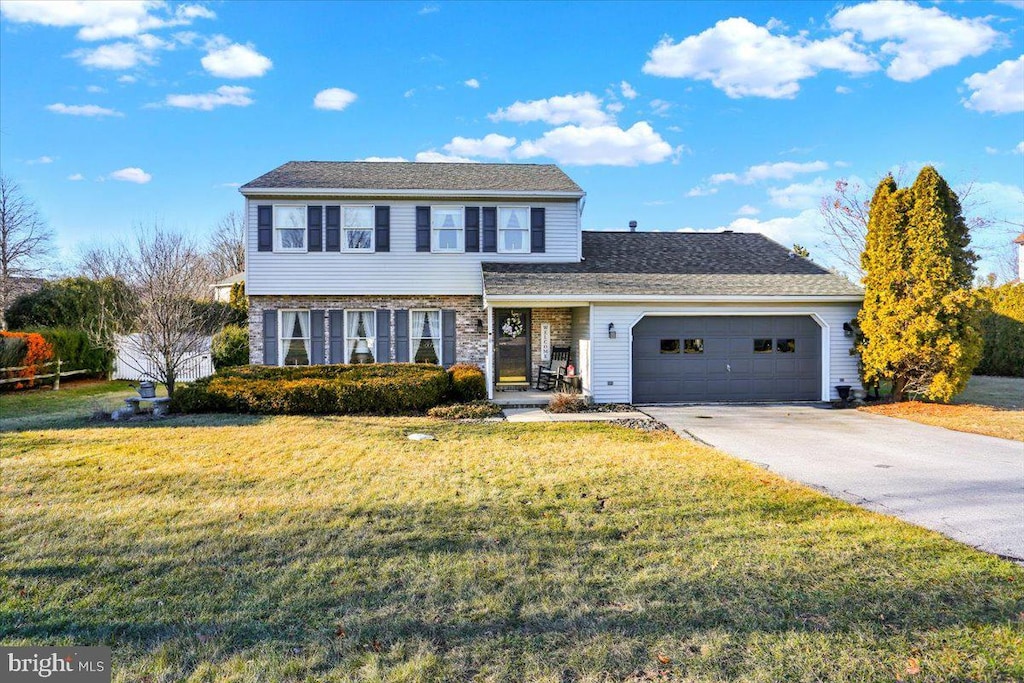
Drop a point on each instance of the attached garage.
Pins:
(704, 358)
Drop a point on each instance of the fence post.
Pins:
(56, 380)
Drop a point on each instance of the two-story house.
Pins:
(489, 264)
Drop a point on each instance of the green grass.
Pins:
(73, 396)
(299, 549)
(999, 392)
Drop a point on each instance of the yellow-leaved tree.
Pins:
(919, 324)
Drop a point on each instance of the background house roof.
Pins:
(382, 175)
(674, 264)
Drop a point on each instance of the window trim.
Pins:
(527, 230)
(305, 229)
(372, 339)
(440, 334)
(281, 348)
(372, 229)
(460, 246)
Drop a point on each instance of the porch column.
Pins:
(489, 361)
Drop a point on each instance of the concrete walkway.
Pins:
(966, 486)
(539, 415)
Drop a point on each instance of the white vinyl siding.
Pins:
(612, 358)
(403, 270)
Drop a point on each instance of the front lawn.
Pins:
(976, 419)
(307, 549)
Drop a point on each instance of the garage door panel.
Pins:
(729, 369)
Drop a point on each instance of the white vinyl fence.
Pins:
(132, 364)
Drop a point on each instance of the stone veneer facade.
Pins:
(470, 342)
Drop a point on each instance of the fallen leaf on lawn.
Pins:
(913, 666)
(340, 632)
(664, 659)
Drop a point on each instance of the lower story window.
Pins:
(295, 338)
(425, 335)
(360, 336)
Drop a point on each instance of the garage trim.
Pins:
(743, 312)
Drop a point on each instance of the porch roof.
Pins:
(671, 264)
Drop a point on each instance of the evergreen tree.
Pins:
(918, 318)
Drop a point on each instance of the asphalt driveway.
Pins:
(966, 486)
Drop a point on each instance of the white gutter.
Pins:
(693, 298)
(349, 192)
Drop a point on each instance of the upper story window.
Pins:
(295, 339)
(358, 227)
(513, 229)
(447, 228)
(290, 228)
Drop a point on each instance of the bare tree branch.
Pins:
(227, 246)
(25, 241)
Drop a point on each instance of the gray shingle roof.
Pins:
(384, 175)
(671, 263)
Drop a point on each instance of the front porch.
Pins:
(521, 339)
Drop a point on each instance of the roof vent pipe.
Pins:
(632, 226)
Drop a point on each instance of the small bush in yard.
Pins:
(476, 410)
(230, 347)
(468, 382)
(376, 389)
(27, 350)
(567, 403)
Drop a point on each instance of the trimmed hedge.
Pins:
(76, 351)
(1002, 328)
(468, 383)
(475, 410)
(375, 389)
(231, 347)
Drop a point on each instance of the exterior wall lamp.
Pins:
(479, 324)
(847, 330)
(611, 330)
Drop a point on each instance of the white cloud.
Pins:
(743, 59)
(991, 150)
(228, 185)
(492, 145)
(409, 93)
(126, 79)
(82, 110)
(786, 230)
(1000, 91)
(334, 99)
(582, 108)
(41, 160)
(132, 174)
(920, 39)
(431, 156)
(429, 9)
(103, 20)
(471, 83)
(224, 96)
(115, 56)
(781, 170)
(660, 107)
(387, 159)
(1019, 149)
(800, 195)
(599, 145)
(76, 177)
(702, 191)
(747, 210)
(628, 91)
(236, 61)
(95, 89)
(658, 202)
(843, 90)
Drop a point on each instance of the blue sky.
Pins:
(680, 116)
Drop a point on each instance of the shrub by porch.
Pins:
(374, 389)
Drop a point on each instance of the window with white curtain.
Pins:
(295, 349)
(360, 336)
(290, 228)
(358, 226)
(513, 229)
(425, 335)
(447, 228)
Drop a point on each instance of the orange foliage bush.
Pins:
(37, 352)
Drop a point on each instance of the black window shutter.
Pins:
(472, 228)
(537, 230)
(422, 228)
(402, 336)
(333, 228)
(315, 228)
(448, 338)
(336, 345)
(382, 227)
(265, 228)
(270, 337)
(383, 354)
(316, 337)
(490, 228)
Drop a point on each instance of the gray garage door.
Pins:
(722, 358)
